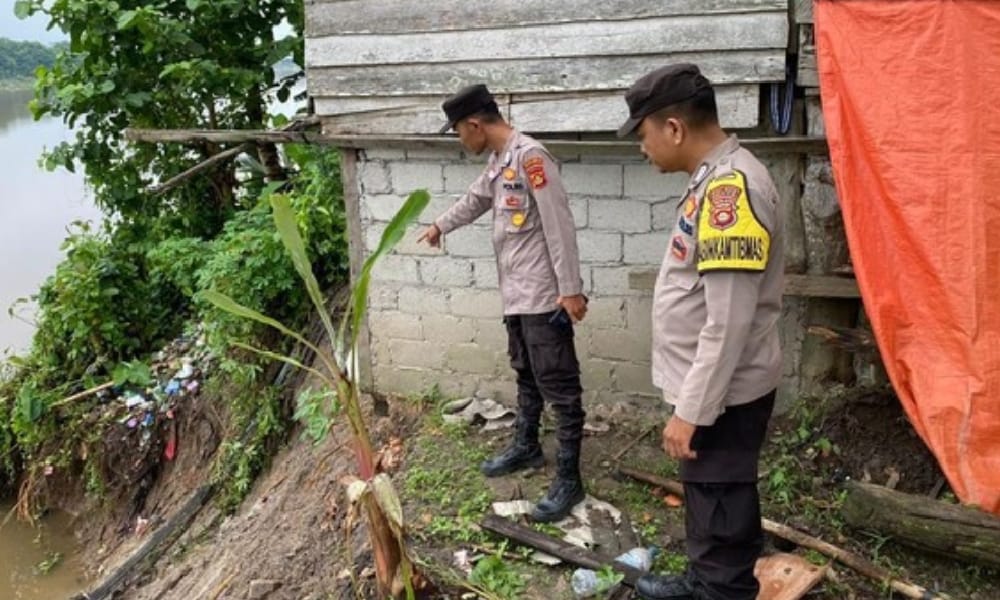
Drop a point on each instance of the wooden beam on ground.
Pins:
(924, 523)
(859, 564)
(810, 286)
(575, 555)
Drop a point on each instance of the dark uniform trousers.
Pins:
(722, 507)
(544, 357)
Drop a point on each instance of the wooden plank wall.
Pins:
(384, 66)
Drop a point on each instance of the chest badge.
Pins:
(509, 174)
(722, 205)
(517, 219)
(690, 207)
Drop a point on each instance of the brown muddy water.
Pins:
(36, 207)
(40, 562)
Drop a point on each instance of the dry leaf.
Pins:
(673, 500)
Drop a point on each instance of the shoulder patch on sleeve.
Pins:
(730, 236)
(535, 168)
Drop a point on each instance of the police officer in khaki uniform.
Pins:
(534, 238)
(716, 306)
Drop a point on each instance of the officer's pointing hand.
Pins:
(576, 306)
(432, 235)
(677, 438)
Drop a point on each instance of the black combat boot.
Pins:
(665, 587)
(523, 453)
(566, 490)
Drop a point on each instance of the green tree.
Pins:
(169, 64)
(19, 60)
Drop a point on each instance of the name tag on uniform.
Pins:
(516, 202)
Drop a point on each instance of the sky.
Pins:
(31, 29)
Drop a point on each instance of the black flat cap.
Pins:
(659, 89)
(468, 101)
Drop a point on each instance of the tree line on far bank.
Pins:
(20, 59)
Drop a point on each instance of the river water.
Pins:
(36, 206)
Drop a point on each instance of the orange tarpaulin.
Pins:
(911, 103)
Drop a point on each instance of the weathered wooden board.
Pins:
(532, 75)
(738, 108)
(637, 37)
(407, 16)
(807, 74)
(786, 576)
(802, 11)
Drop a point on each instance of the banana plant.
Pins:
(337, 368)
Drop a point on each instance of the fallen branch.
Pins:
(563, 550)
(618, 455)
(217, 159)
(859, 564)
(82, 395)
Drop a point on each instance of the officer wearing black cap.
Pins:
(534, 238)
(716, 307)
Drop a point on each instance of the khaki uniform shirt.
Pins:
(534, 236)
(717, 299)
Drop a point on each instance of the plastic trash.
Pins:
(133, 400)
(173, 387)
(586, 583)
(186, 372)
(148, 419)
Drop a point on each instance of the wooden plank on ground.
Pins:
(786, 576)
(405, 16)
(534, 75)
(649, 36)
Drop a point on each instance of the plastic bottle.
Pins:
(586, 584)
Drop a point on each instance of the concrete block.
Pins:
(382, 296)
(392, 379)
(605, 313)
(439, 204)
(381, 207)
(664, 215)
(396, 268)
(484, 274)
(644, 181)
(458, 177)
(470, 242)
(646, 248)
(578, 206)
(492, 334)
(410, 245)
(410, 176)
(454, 385)
(475, 303)
(593, 179)
(394, 324)
(502, 389)
(612, 281)
(635, 378)
(620, 344)
(627, 216)
(423, 300)
(599, 246)
(473, 358)
(445, 271)
(639, 314)
(374, 178)
(416, 354)
(595, 374)
(383, 154)
(446, 329)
